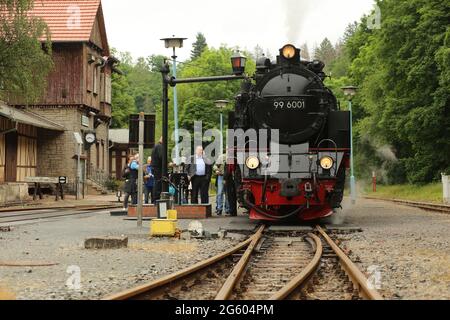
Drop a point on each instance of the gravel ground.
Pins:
(102, 271)
(410, 248)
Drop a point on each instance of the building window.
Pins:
(108, 88)
(95, 81)
(97, 147)
(89, 78)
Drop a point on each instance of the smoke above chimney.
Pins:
(296, 12)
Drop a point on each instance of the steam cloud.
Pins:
(296, 12)
(386, 153)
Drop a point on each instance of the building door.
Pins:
(119, 166)
(11, 140)
(121, 161)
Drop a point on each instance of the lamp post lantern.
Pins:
(175, 43)
(238, 62)
(350, 92)
(221, 104)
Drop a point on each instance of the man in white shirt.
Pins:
(199, 172)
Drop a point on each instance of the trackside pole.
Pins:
(141, 169)
(374, 181)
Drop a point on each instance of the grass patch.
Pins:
(426, 193)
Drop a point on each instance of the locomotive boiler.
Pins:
(297, 169)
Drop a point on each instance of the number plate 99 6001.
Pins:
(289, 104)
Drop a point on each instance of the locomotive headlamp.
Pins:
(288, 51)
(252, 163)
(326, 163)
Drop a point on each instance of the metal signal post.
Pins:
(350, 92)
(141, 168)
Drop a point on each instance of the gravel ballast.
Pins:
(406, 250)
(102, 272)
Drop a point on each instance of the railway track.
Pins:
(421, 205)
(38, 214)
(267, 266)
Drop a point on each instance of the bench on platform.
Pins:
(38, 181)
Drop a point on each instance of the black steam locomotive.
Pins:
(297, 171)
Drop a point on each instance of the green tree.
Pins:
(138, 89)
(340, 65)
(258, 52)
(198, 109)
(401, 113)
(24, 60)
(199, 46)
(197, 100)
(402, 69)
(325, 52)
(305, 52)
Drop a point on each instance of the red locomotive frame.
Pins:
(313, 207)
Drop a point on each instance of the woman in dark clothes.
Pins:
(130, 186)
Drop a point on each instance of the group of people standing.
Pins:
(198, 171)
(200, 174)
(152, 177)
(131, 175)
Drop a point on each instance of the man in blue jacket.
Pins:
(134, 174)
(149, 181)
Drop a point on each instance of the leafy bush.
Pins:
(113, 184)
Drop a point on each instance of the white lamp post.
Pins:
(221, 104)
(175, 43)
(350, 92)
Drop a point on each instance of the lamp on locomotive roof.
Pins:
(238, 62)
(221, 104)
(350, 92)
(175, 43)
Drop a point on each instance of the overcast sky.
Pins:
(137, 25)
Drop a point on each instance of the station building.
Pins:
(119, 151)
(39, 139)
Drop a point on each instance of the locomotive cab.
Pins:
(302, 175)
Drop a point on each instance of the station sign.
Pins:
(63, 180)
(149, 131)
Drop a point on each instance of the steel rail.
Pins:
(71, 207)
(227, 288)
(304, 275)
(134, 292)
(45, 215)
(355, 275)
(421, 205)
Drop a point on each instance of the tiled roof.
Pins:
(27, 117)
(68, 20)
